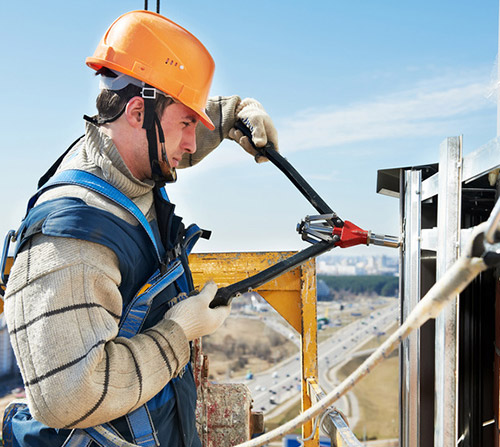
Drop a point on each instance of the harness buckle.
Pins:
(148, 93)
(174, 253)
(10, 237)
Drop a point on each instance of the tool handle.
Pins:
(284, 166)
(225, 294)
(223, 297)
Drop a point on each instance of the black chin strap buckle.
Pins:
(151, 124)
(148, 93)
(149, 112)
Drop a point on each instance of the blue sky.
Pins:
(352, 86)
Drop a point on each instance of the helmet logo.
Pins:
(174, 63)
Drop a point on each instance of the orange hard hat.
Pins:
(157, 51)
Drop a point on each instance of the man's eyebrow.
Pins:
(192, 118)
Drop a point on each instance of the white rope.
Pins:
(454, 281)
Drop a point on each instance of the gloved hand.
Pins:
(260, 124)
(195, 317)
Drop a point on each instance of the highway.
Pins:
(280, 385)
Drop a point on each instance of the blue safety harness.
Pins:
(71, 217)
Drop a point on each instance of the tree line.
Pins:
(361, 284)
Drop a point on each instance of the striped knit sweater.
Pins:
(63, 305)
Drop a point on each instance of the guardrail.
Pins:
(332, 421)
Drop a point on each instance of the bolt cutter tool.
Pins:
(324, 231)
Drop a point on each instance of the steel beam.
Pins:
(410, 348)
(446, 363)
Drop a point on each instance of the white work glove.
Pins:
(195, 317)
(260, 124)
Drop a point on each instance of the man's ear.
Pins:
(134, 112)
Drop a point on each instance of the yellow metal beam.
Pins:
(292, 294)
(282, 293)
(309, 343)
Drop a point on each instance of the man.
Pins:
(97, 301)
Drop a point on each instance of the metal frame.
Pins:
(431, 218)
(446, 359)
(410, 348)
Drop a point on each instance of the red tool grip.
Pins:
(350, 235)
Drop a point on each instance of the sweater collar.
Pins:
(102, 152)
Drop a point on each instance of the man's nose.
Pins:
(190, 141)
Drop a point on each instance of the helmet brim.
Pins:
(96, 64)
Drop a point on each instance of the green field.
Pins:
(377, 395)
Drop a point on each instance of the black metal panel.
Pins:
(427, 334)
(476, 334)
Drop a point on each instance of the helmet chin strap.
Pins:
(151, 124)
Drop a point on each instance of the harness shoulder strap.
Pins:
(96, 184)
(191, 236)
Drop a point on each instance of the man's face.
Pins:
(179, 126)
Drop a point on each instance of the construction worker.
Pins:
(99, 302)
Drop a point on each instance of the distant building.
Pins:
(357, 265)
(324, 268)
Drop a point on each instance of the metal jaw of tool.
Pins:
(314, 229)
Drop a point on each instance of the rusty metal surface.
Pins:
(225, 414)
(282, 293)
(309, 343)
(227, 268)
(223, 411)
